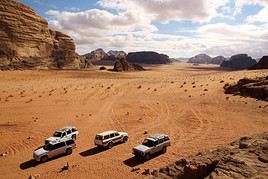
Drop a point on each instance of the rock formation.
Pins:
(256, 88)
(123, 65)
(147, 58)
(26, 41)
(244, 158)
(217, 60)
(116, 55)
(96, 55)
(238, 62)
(262, 64)
(201, 59)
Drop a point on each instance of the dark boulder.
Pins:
(239, 62)
(147, 58)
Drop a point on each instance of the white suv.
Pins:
(65, 132)
(54, 148)
(109, 138)
(152, 145)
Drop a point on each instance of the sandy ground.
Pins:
(181, 100)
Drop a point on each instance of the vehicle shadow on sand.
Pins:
(93, 151)
(135, 161)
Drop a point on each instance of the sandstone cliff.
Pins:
(26, 41)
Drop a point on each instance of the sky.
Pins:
(179, 28)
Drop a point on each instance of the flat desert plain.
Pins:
(186, 102)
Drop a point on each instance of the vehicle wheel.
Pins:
(110, 145)
(69, 151)
(74, 137)
(125, 139)
(44, 158)
(164, 150)
(147, 157)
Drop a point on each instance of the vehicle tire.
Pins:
(125, 139)
(164, 150)
(69, 151)
(110, 145)
(44, 159)
(147, 157)
(74, 137)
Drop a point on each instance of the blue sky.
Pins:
(179, 28)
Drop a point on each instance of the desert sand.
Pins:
(187, 102)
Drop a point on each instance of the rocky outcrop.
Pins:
(244, 158)
(26, 41)
(96, 55)
(262, 64)
(256, 88)
(147, 58)
(238, 62)
(218, 60)
(200, 59)
(116, 55)
(123, 65)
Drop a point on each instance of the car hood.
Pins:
(52, 138)
(40, 151)
(141, 148)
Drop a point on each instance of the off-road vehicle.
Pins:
(109, 138)
(65, 132)
(152, 145)
(54, 148)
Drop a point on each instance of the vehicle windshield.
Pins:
(98, 137)
(48, 146)
(148, 143)
(57, 134)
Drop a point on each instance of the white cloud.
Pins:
(128, 25)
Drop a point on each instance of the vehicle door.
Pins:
(155, 148)
(115, 137)
(64, 135)
(58, 149)
(69, 133)
(106, 139)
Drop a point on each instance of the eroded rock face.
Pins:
(96, 55)
(262, 64)
(123, 65)
(218, 60)
(238, 62)
(200, 59)
(26, 41)
(256, 88)
(147, 58)
(244, 158)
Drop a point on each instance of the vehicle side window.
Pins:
(117, 134)
(74, 130)
(156, 142)
(106, 137)
(166, 139)
(161, 141)
(69, 132)
(59, 145)
(69, 142)
(112, 135)
(63, 134)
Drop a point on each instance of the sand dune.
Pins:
(186, 102)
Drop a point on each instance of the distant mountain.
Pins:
(262, 64)
(96, 55)
(240, 61)
(201, 59)
(148, 58)
(218, 60)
